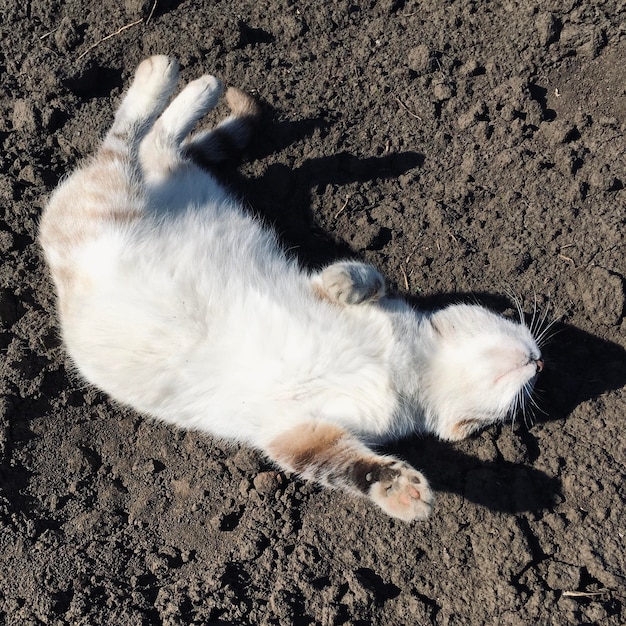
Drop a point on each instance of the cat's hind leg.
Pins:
(155, 80)
(349, 282)
(161, 150)
(106, 194)
(331, 456)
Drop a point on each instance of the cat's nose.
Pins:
(539, 364)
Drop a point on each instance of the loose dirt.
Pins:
(466, 148)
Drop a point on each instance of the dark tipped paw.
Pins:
(401, 491)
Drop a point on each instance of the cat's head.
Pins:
(483, 369)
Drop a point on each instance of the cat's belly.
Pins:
(245, 366)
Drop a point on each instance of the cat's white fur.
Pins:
(177, 302)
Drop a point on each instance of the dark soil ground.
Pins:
(467, 148)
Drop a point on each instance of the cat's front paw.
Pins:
(350, 282)
(401, 491)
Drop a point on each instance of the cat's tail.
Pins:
(231, 135)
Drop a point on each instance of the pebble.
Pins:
(443, 91)
(602, 294)
(267, 483)
(24, 116)
(67, 36)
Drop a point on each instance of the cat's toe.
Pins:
(403, 492)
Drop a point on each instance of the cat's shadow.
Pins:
(282, 194)
(579, 366)
(499, 485)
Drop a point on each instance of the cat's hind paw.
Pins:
(155, 80)
(156, 72)
(350, 282)
(401, 491)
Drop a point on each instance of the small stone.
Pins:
(595, 42)
(24, 116)
(266, 483)
(602, 295)
(563, 576)
(465, 120)
(534, 113)
(443, 91)
(560, 132)
(468, 166)
(471, 68)
(508, 113)
(6, 240)
(137, 7)
(470, 118)
(29, 174)
(68, 36)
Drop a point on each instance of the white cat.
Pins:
(175, 301)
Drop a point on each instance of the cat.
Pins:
(177, 302)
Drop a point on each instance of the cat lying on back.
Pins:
(177, 302)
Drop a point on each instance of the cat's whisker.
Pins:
(517, 408)
(533, 405)
(528, 416)
(520, 311)
(546, 336)
(536, 406)
(516, 301)
(526, 408)
(542, 321)
(534, 316)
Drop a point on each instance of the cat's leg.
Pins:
(108, 190)
(349, 282)
(154, 82)
(333, 457)
(161, 150)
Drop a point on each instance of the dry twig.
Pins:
(406, 108)
(585, 594)
(152, 11)
(406, 278)
(117, 32)
(342, 209)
